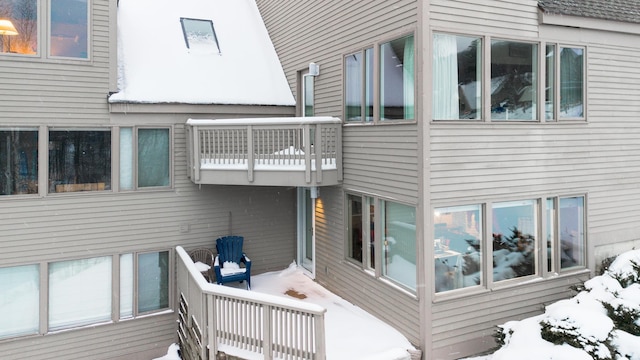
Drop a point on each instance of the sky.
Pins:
(351, 332)
(155, 65)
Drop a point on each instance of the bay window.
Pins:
(66, 33)
(394, 97)
(515, 89)
(462, 237)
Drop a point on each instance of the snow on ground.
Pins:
(351, 333)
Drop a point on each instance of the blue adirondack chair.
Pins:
(227, 263)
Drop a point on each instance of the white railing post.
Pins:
(267, 336)
(306, 141)
(319, 147)
(250, 153)
(196, 150)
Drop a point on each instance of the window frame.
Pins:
(372, 264)
(32, 181)
(376, 81)
(134, 161)
(485, 71)
(135, 283)
(542, 259)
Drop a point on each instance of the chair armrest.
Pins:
(216, 268)
(245, 259)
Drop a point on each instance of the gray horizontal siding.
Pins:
(499, 17)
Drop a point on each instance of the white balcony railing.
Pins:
(265, 151)
(214, 318)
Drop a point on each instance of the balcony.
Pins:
(297, 151)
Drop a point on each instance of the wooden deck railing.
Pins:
(266, 151)
(214, 318)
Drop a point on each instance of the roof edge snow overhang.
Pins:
(218, 109)
(588, 23)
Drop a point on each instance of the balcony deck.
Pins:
(296, 151)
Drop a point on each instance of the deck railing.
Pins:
(266, 151)
(214, 318)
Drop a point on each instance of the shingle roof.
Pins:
(617, 10)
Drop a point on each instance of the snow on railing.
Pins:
(216, 318)
(310, 144)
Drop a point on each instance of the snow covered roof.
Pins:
(156, 66)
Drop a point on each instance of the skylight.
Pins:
(199, 34)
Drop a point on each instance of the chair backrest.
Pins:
(230, 248)
(203, 255)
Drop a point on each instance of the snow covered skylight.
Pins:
(199, 33)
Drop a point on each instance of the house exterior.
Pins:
(483, 127)
(501, 132)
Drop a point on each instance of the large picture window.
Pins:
(458, 247)
(79, 292)
(79, 160)
(18, 162)
(145, 158)
(457, 77)
(394, 97)
(514, 239)
(19, 300)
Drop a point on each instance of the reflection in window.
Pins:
(550, 84)
(18, 162)
(397, 79)
(68, 32)
(457, 247)
(457, 86)
(23, 16)
(354, 228)
(571, 232)
(513, 80)
(200, 35)
(514, 239)
(399, 243)
(79, 160)
(359, 86)
(79, 292)
(153, 281)
(571, 82)
(19, 300)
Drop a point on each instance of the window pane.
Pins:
(153, 157)
(308, 95)
(368, 85)
(69, 28)
(19, 300)
(153, 281)
(126, 286)
(571, 224)
(457, 247)
(353, 87)
(20, 25)
(399, 243)
(126, 159)
(550, 83)
(397, 79)
(372, 244)
(514, 240)
(79, 292)
(551, 234)
(79, 160)
(457, 85)
(513, 80)
(355, 228)
(18, 162)
(571, 82)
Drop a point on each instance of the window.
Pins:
(79, 292)
(514, 227)
(355, 228)
(399, 243)
(200, 35)
(513, 80)
(361, 226)
(514, 239)
(307, 95)
(145, 158)
(458, 247)
(69, 28)
(20, 24)
(19, 300)
(79, 160)
(395, 96)
(457, 77)
(569, 251)
(18, 162)
(153, 281)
